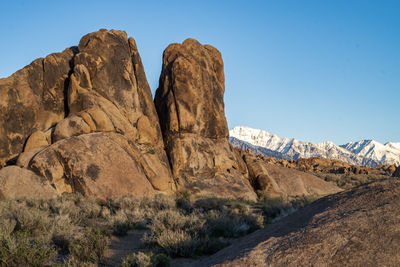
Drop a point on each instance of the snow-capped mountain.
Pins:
(366, 152)
(257, 149)
(388, 153)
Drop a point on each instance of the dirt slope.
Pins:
(358, 227)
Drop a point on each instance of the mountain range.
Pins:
(364, 153)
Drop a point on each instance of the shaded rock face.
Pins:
(190, 106)
(358, 227)
(87, 119)
(277, 181)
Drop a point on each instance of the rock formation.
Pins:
(84, 121)
(87, 119)
(276, 181)
(190, 106)
(322, 165)
(358, 227)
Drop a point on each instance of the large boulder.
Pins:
(32, 99)
(190, 106)
(16, 183)
(104, 165)
(358, 227)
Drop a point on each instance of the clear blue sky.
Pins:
(313, 70)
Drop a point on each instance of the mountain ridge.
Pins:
(363, 153)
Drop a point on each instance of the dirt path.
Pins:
(119, 247)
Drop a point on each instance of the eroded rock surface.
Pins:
(108, 92)
(190, 106)
(33, 99)
(84, 119)
(358, 227)
(98, 164)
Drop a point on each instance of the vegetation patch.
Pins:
(349, 180)
(71, 230)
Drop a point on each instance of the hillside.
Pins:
(358, 227)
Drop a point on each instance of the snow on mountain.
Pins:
(388, 153)
(257, 149)
(366, 152)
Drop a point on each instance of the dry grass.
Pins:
(276, 208)
(148, 259)
(74, 231)
(349, 180)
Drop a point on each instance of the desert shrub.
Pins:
(121, 228)
(28, 219)
(66, 205)
(88, 208)
(157, 203)
(136, 260)
(160, 260)
(177, 243)
(78, 208)
(232, 224)
(91, 247)
(274, 208)
(302, 201)
(198, 227)
(210, 203)
(21, 250)
(175, 233)
(348, 180)
(175, 220)
(141, 259)
(184, 203)
(76, 263)
(7, 226)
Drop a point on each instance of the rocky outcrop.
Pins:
(108, 92)
(358, 227)
(190, 106)
(84, 119)
(322, 165)
(276, 181)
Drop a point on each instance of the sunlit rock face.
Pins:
(190, 106)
